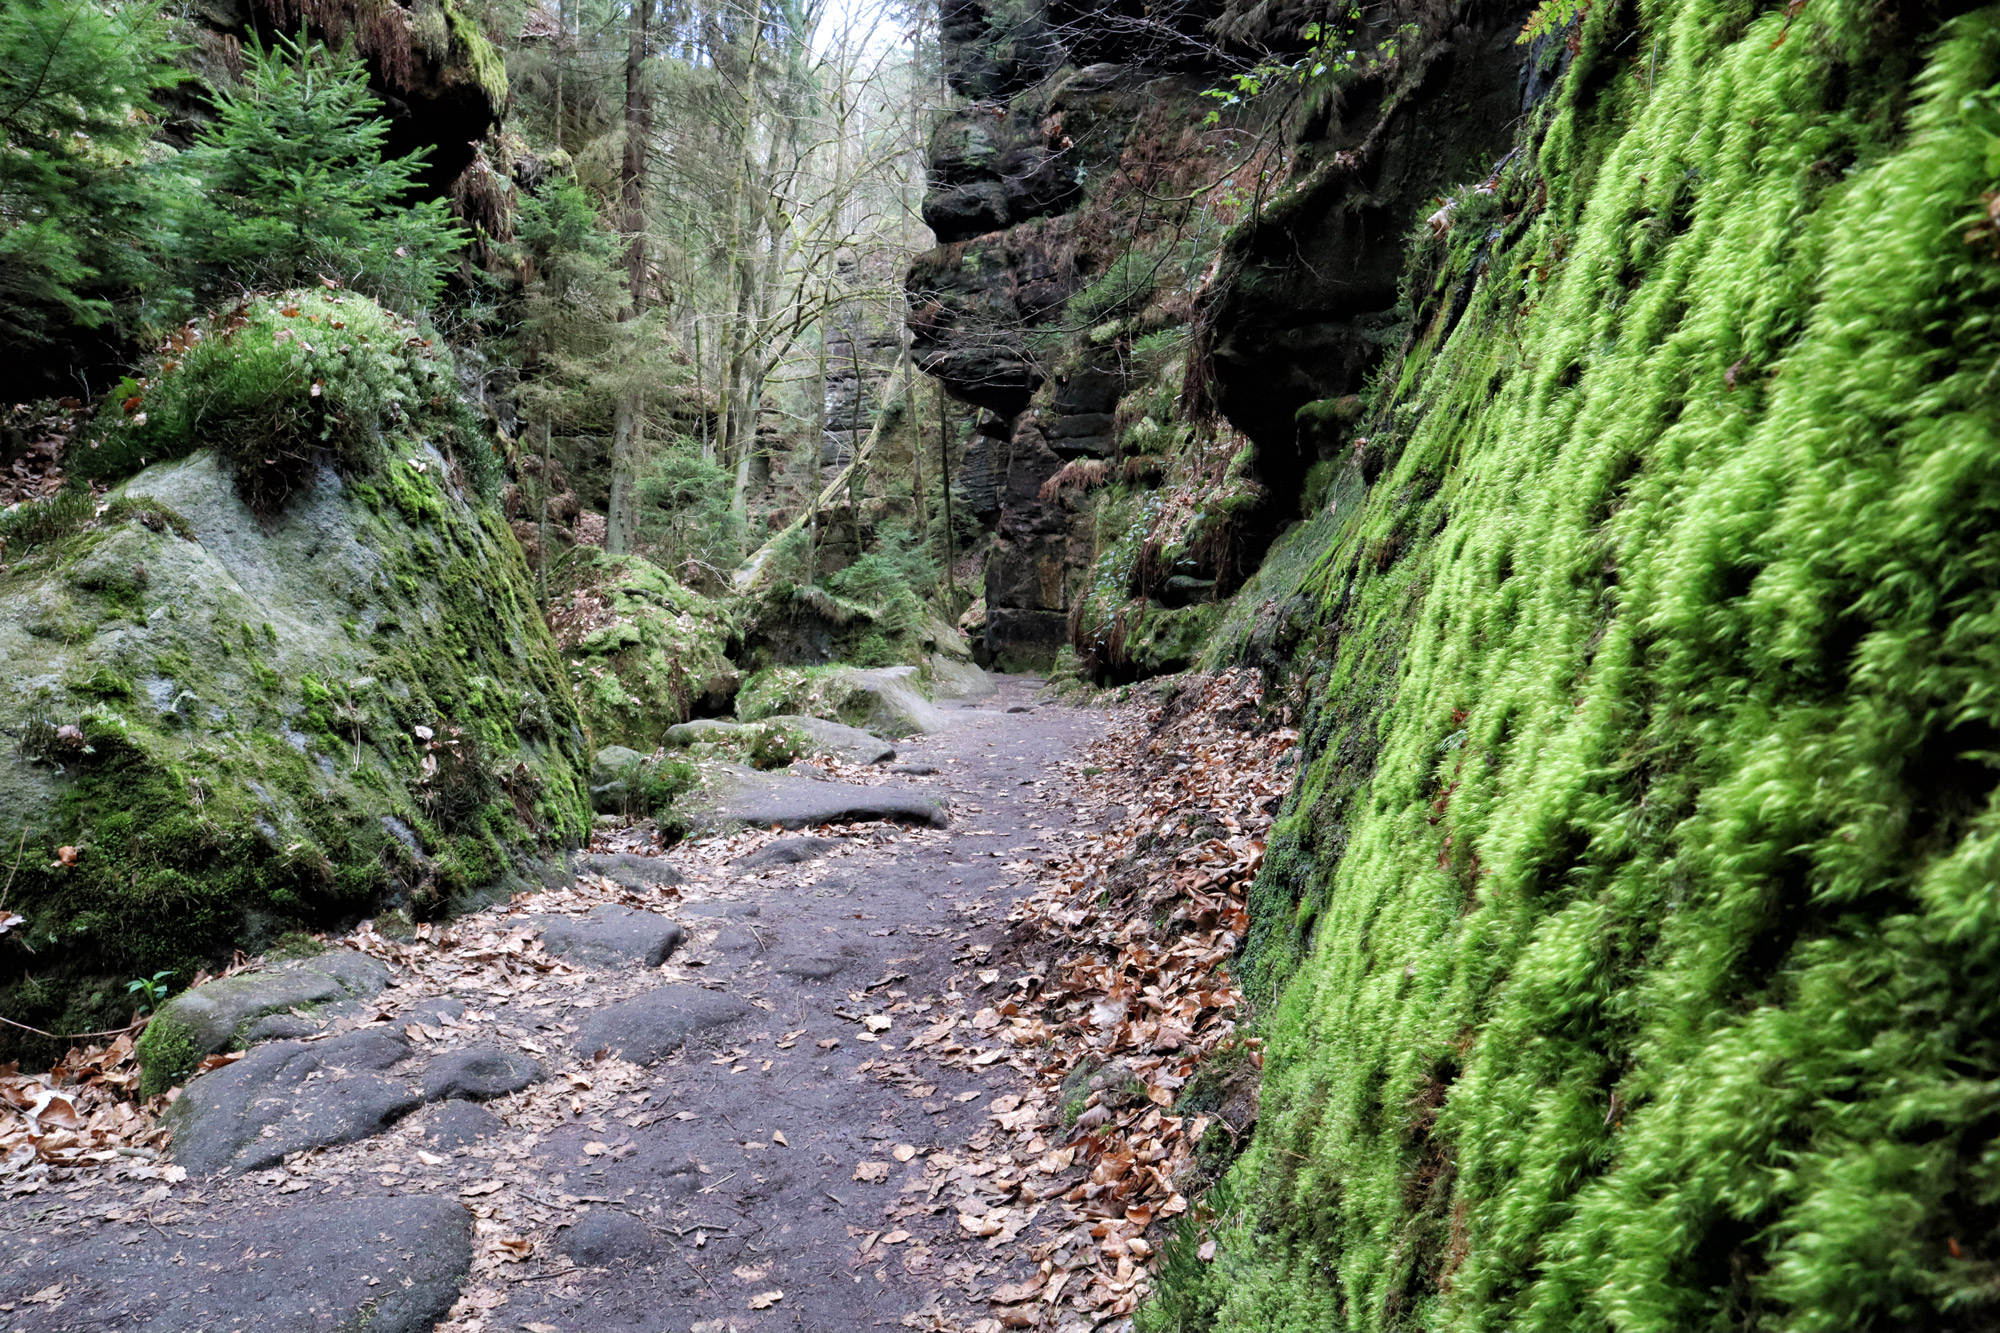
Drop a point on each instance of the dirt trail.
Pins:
(623, 1195)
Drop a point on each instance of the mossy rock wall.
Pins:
(646, 655)
(1626, 951)
(220, 714)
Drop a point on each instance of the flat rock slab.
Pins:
(733, 911)
(281, 1269)
(479, 1074)
(220, 1014)
(741, 797)
(601, 1236)
(454, 1124)
(653, 1026)
(248, 1115)
(787, 852)
(850, 744)
(638, 873)
(611, 936)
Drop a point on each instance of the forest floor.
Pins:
(855, 1119)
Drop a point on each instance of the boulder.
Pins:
(787, 852)
(249, 692)
(638, 873)
(614, 777)
(611, 936)
(837, 740)
(660, 656)
(386, 1265)
(703, 730)
(479, 1074)
(226, 1012)
(652, 1026)
(454, 1124)
(734, 797)
(750, 742)
(603, 1235)
(954, 678)
(251, 1114)
(887, 701)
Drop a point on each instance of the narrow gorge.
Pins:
(1003, 664)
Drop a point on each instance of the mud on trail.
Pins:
(528, 1125)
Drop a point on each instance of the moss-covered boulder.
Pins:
(643, 652)
(227, 724)
(886, 701)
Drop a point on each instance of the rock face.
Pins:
(241, 724)
(443, 83)
(1076, 118)
(1031, 196)
(1643, 637)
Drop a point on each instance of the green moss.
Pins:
(1627, 942)
(661, 657)
(168, 1053)
(469, 45)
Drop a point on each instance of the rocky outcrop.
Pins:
(1309, 298)
(1021, 202)
(1620, 953)
(224, 724)
(443, 84)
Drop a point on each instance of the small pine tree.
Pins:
(294, 185)
(83, 218)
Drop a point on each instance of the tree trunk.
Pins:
(916, 454)
(944, 472)
(624, 503)
(638, 135)
(622, 519)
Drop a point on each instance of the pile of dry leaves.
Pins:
(1143, 919)
(86, 1111)
(32, 438)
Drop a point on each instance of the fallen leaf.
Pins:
(482, 1187)
(904, 1152)
(778, 1137)
(429, 1158)
(873, 1173)
(764, 1300)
